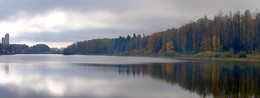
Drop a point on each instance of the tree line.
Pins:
(234, 32)
(24, 49)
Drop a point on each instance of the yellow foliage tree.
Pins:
(215, 43)
(169, 46)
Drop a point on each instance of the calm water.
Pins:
(47, 76)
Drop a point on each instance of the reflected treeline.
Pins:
(5, 68)
(212, 78)
(219, 79)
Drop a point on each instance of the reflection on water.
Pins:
(218, 79)
(6, 68)
(153, 80)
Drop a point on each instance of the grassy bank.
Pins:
(221, 56)
(209, 55)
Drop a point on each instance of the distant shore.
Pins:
(216, 56)
(7, 54)
(249, 59)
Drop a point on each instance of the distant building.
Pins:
(5, 40)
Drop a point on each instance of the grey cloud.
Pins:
(155, 24)
(191, 9)
(13, 7)
(72, 36)
(148, 15)
(147, 25)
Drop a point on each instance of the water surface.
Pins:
(46, 76)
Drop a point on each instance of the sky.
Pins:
(59, 23)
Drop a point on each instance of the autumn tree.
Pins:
(257, 21)
(216, 32)
(169, 46)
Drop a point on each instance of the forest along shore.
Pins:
(231, 36)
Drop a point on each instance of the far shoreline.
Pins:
(250, 59)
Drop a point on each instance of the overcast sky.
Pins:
(59, 23)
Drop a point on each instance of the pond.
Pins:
(90, 76)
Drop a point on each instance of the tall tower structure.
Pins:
(3, 40)
(7, 39)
